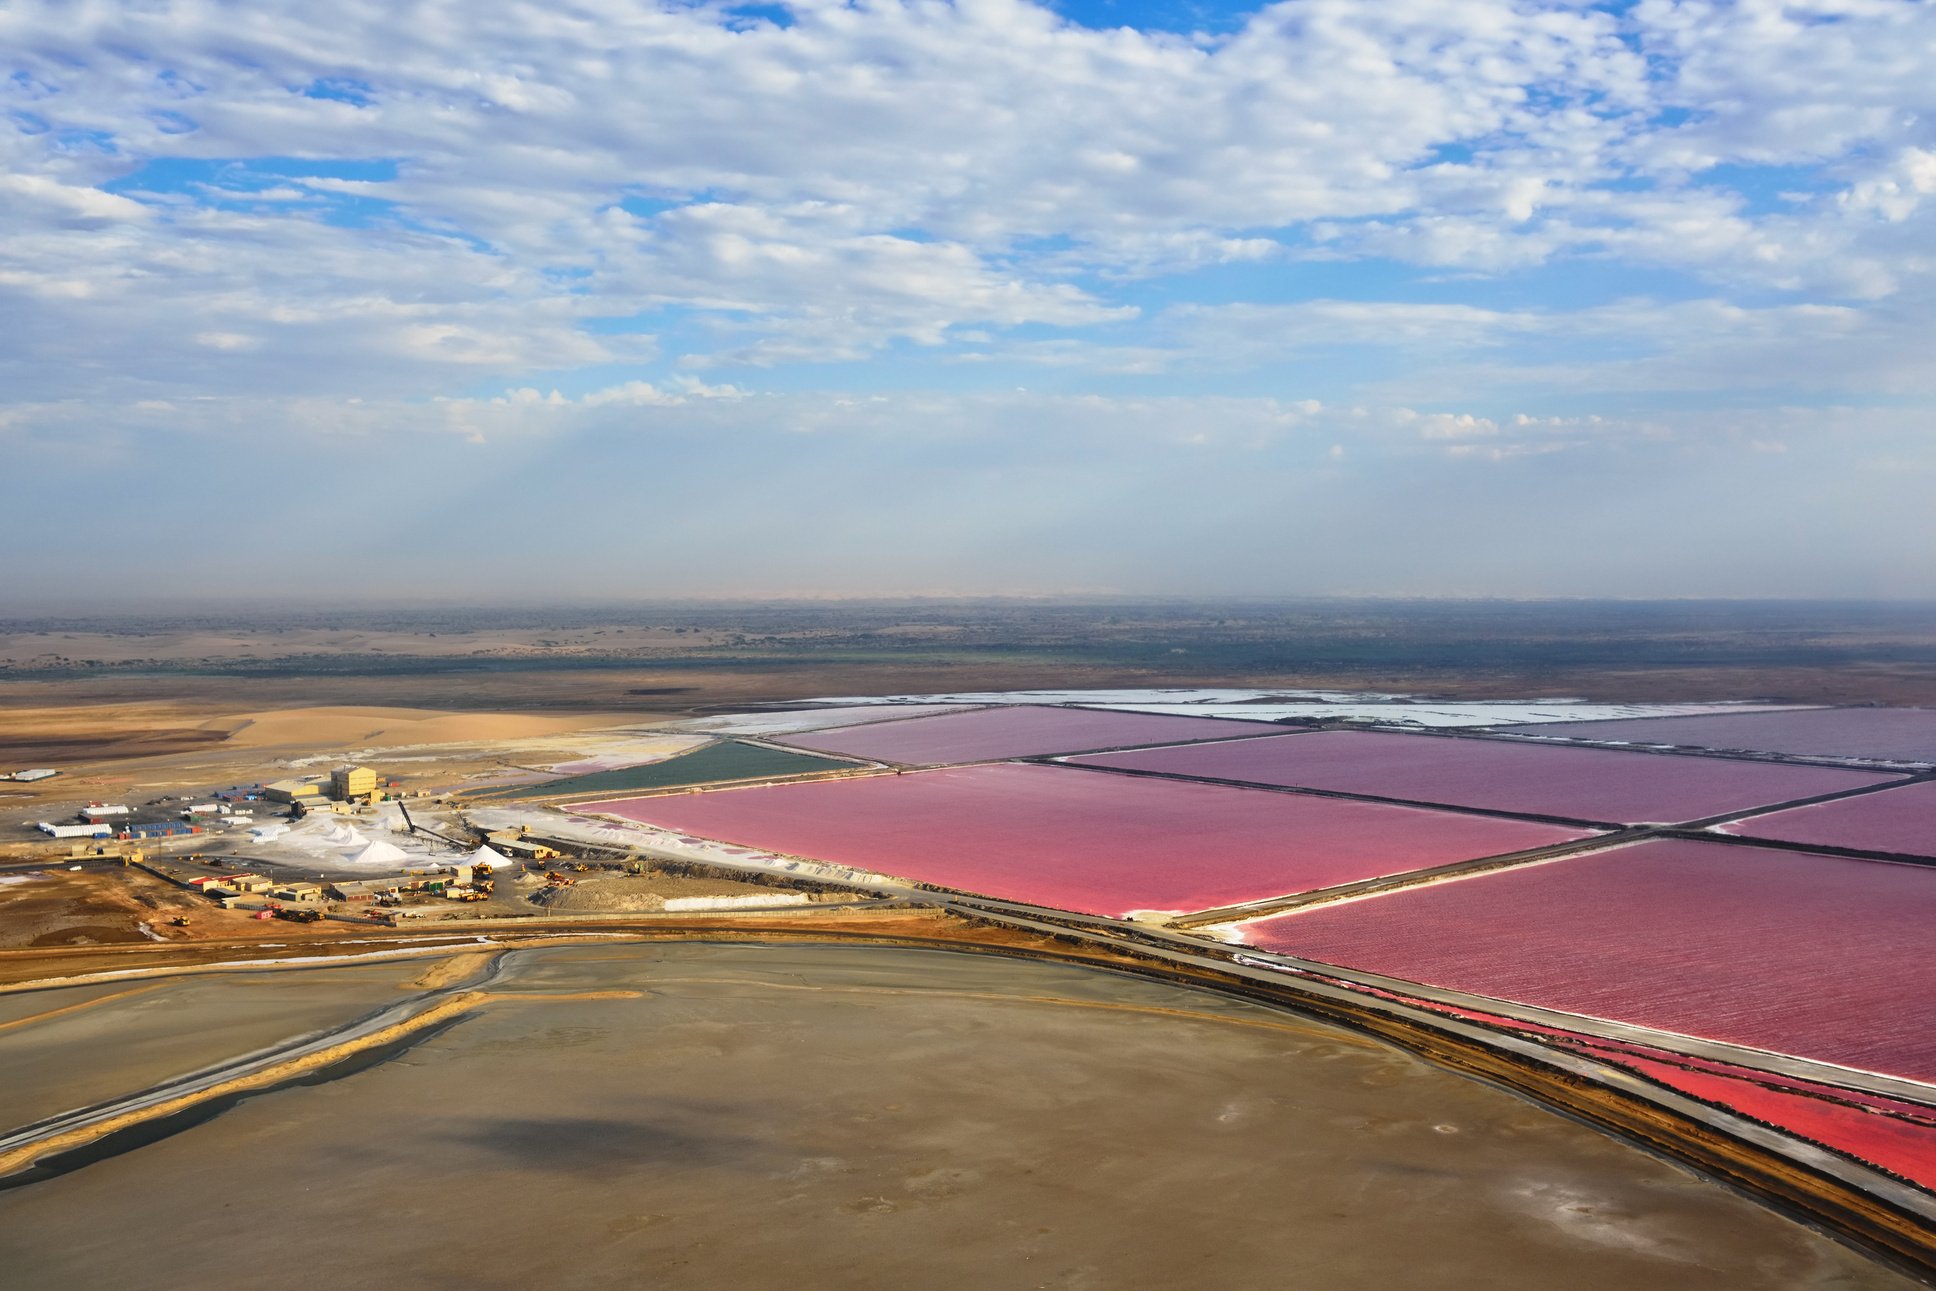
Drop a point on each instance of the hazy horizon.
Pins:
(83, 608)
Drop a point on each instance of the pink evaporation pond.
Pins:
(1015, 731)
(1546, 780)
(1895, 820)
(1908, 1148)
(1903, 1141)
(1884, 734)
(1083, 841)
(1817, 956)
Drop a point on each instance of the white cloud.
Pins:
(1227, 428)
(981, 123)
(595, 194)
(69, 204)
(225, 340)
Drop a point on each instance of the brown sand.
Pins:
(320, 728)
(134, 752)
(52, 908)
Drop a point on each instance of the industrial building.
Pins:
(37, 773)
(93, 830)
(96, 811)
(363, 889)
(291, 791)
(346, 783)
(157, 829)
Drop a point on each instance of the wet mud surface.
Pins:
(75, 1046)
(804, 1116)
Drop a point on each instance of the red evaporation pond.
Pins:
(1903, 1147)
(1847, 1120)
(1817, 956)
(988, 734)
(1895, 820)
(1547, 780)
(1890, 734)
(1085, 841)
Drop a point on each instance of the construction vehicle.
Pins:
(179, 921)
(294, 915)
(558, 880)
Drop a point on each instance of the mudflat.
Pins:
(71, 1047)
(786, 1116)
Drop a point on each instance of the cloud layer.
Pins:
(1359, 243)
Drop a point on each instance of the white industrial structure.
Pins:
(96, 830)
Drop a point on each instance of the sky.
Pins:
(616, 299)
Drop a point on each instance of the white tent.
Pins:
(379, 853)
(488, 859)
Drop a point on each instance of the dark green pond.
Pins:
(726, 760)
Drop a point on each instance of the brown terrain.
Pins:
(1621, 1239)
(700, 656)
(127, 732)
(830, 1115)
(50, 908)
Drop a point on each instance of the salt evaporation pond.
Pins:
(1273, 705)
(1886, 734)
(1817, 956)
(1895, 820)
(1549, 780)
(1087, 841)
(791, 720)
(725, 760)
(1902, 1141)
(988, 734)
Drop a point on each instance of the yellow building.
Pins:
(351, 782)
(290, 791)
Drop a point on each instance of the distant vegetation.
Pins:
(1419, 646)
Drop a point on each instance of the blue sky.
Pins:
(1467, 297)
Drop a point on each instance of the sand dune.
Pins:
(92, 719)
(323, 727)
